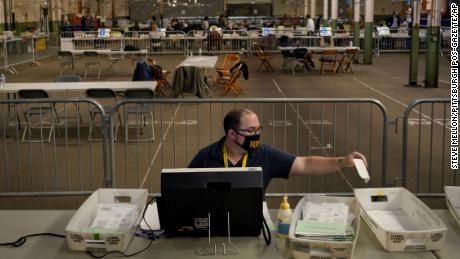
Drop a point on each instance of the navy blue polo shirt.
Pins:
(275, 163)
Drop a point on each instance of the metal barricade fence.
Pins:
(3, 56)
(137, 39)
(270, 40)
(180, 128)
(19, 50)
(88, 40)
(167, 42)
(228, 41)
(44, 148)
(426, 147)
(46, 46)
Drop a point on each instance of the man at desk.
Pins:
(240, 148)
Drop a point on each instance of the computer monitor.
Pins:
(188, 195)
(325, 31)
(103, 33)
(383, 31)
(267, 31)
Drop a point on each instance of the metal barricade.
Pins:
(426, 148)
(270, 40)
(45, 46)
(445, 40)
(228, 41)
(137, 39)
(44, 148)
(3, 56)
(326, 127)
(167, 42)
(342, 40)
(88, 40)
(19, 50)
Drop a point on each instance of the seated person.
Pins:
(240, 148)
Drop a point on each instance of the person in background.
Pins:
(393, 21)
(205, 23)
(310, 25)
(240, 147)
(222, 22)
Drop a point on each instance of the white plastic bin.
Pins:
(303, 248)
(399, 220)
(80, 239)
(453, 201)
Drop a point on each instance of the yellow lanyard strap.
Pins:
(224, 151)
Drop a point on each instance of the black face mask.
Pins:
(250, 142)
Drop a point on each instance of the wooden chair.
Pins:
(264, 59)
(346, 60)
(162, 82)
(328, 57)
(224, 69)
(231, 81)
(161, 78)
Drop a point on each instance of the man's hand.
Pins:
(348, 160)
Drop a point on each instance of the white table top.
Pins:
(451, 247)
(318, 49)
(109, 51)
(16, 223)
(78, 86)
(200, 61)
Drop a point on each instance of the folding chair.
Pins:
(347, 60)
(231, 82)
(66, 59)
(264, 59)
(43, 111)
(114, 58)
(328, 57)
(300, 57)
(224, 69)
(70, 79)
(101, 94)
(139, 110)
(92, 59)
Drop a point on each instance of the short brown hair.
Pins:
(233, 118)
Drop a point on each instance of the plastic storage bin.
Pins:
(453, 201)
(80, 238)
(399, 220)
(303, 248)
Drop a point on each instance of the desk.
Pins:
(111, 52)
(200, 61)
(288, 59)
(317, 49)
(451, 248)
(78, 86)
(16, 223)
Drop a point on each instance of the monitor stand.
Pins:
(223, 248)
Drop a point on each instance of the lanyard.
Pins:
(224, 151)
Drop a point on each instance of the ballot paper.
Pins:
(325, 212)
(362, 171)
(327, 221)
(113, 217)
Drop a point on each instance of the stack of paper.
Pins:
(113, 217)
(325, 221)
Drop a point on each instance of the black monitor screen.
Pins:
(188, 195)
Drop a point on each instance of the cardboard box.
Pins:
(81, 236)
(399, 220)
(453, 201)
(307, 248)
